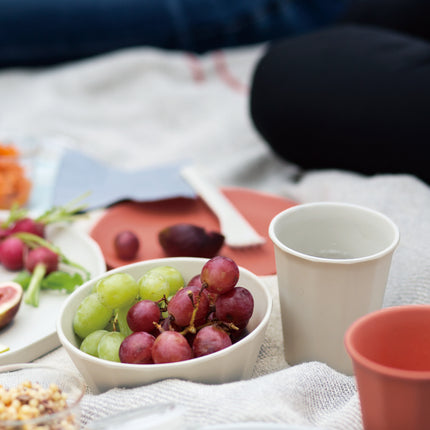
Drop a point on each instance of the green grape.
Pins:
(110, 326)
(91, 342)
(108, 348)
(172, 276)
(117, 290)
(90, 316)
(121, 319)
(153, 286)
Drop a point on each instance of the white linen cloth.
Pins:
(142, 107)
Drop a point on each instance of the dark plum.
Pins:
(188, 240)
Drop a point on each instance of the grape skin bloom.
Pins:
(91, 315)
(220, 275)
(117, 290)
(170, 347)
(210, 339)
(137, 348)
(153, 286)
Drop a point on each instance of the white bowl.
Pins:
(230, 364)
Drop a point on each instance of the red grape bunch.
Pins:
(207, 314)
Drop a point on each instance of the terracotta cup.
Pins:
(390, 350)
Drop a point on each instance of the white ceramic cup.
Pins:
(332, 262)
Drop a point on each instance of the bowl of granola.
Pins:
(34, 397)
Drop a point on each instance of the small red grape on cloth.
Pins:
(126, 245)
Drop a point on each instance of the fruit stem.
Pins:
(191, 327)
(31, 296)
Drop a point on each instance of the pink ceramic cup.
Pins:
(390, 351)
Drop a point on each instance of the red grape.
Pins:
(170, 347)
(137, 348)
(181, 305)
(195, 280)
(210, 339)
(126, 245)
(167, 324)
(142, 316)
(220, 274)
(235, 307)
(236, 335)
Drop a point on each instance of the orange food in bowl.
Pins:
(15, 186)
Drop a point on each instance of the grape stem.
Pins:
(191, 328)
(162, 303)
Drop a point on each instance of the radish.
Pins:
(40, 262)
(4, 232)
(28, 225)
(19, 220)
(12, 251)
(44, 256)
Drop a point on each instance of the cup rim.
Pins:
(358, 358)
(387, 250)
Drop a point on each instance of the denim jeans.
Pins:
(40, 32)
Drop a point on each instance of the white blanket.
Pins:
(142, 107)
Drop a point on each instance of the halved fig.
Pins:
(10, 300)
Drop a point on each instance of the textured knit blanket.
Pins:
(142, 107)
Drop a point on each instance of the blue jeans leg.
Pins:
(39, 32)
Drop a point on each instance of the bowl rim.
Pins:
(80, 383)
(68, 345)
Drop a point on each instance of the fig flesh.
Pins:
(188, 240)
(10, 300)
